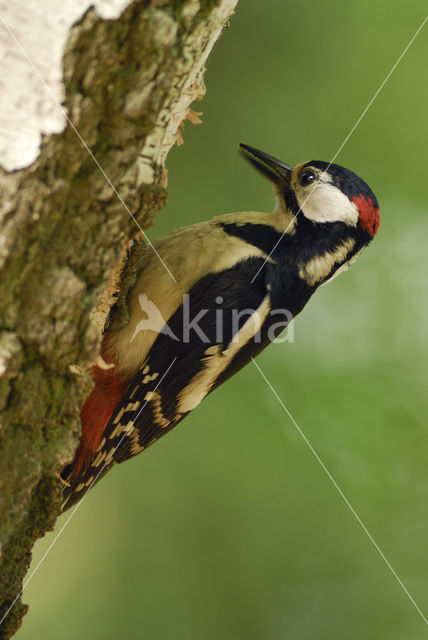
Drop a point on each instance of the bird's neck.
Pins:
(319, 253)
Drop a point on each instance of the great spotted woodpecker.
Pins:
(172, 340)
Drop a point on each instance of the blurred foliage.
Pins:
(229, 528)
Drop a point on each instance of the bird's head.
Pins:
(328, 207)
(320, 191)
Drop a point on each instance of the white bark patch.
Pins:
(32, 41)
(33, 36)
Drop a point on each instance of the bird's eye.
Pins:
(307, 176)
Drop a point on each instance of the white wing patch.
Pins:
(217, 360)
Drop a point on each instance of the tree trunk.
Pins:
(127, 81)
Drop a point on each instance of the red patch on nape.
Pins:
(369, 214)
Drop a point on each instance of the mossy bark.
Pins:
(128, 82)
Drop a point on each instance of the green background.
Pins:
(229, 528)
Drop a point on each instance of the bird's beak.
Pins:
(276, 171)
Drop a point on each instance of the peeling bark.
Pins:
(128, 83)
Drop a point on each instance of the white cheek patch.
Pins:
(326, 203)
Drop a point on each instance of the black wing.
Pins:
(183, 366)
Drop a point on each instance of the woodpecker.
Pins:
(199, 303)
